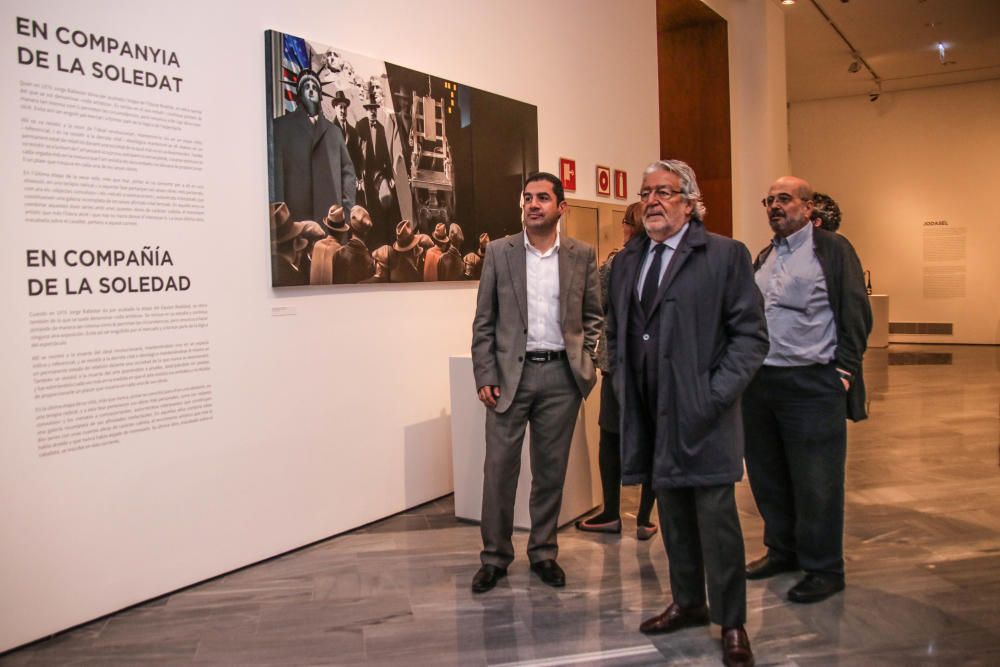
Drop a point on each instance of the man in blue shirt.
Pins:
(794, 411)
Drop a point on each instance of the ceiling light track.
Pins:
(854, 52)
(928, 75)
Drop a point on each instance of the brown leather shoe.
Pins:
(736, 648)
(674, 618)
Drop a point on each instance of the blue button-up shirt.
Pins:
(800, 321)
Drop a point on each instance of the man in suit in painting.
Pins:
(313, 168)
(340, 103)
(377, 178)
(538, 318)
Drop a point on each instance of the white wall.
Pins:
(911, 157)
(326, 419)
(757, 103)
(336, 413)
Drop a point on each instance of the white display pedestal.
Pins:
(581, 492)
(879, 337)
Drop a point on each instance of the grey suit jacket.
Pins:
(500, 328)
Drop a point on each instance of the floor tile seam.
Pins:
(581, 658)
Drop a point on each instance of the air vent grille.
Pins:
(922, 328)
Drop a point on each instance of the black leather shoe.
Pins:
(765, 567)
(674, 618)
(550, 572)
(487, 577)
(816, 587)
(736, 648)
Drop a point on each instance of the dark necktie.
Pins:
(652, 281)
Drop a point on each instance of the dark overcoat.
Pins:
(350, 136)
(712, 339)
(314, 169)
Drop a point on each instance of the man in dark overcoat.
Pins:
(313, 170)
(377, 178)
(686, 332)
(340, 104)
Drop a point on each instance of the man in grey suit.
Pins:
(538, 316)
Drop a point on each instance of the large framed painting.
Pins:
(378, 173)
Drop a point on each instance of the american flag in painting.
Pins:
(294, 59)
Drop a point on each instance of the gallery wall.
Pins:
(757, 102)
(914, 174)
(154, 438)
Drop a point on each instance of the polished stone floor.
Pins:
(922, 543)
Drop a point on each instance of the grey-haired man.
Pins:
(685, 331)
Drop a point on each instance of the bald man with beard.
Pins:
(794, 410)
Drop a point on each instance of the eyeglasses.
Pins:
(663, 194)
(784, 199)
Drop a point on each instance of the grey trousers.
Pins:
(701, 532)
(548, 399)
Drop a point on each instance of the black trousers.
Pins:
(609, 459)
(796, 445)
(701, 531)
(700, 525)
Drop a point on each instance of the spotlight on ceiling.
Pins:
(942, 50)
(854, 67)
(788, 2)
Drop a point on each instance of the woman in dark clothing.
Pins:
(609, 457)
